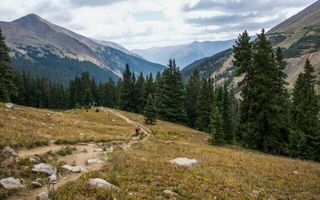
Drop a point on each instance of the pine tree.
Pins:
(150, 86)
(204, 106)
(141, 97)
(150, 113)
(171, 95)
(227, 116)
(7, 86)
(192, 89)
(216, 127)
(305, 113)
(126, 90)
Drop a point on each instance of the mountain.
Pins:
(184, 54)
(298, 36)
(44, 49)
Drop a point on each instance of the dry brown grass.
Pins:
(143, 172)
(29, 127)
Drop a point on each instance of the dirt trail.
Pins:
(79, 157)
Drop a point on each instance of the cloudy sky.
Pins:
(147, 23)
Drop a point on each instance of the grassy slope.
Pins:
(28, 127)
(223, 173)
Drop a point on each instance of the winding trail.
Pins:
(84, 152)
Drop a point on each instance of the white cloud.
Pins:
(142, 24)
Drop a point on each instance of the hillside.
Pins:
(184, 54)
(138, 166)
(299, 36)
(42, 48)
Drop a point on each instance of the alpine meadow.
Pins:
(234, 114)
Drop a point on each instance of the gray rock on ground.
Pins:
(9, 105)
(169, 192)
(43, 196)
(184, 161)
(11, 183)
(10, 151)
(74, 169)
(102, 183)
(94, 161)
(45, 168)
(36, 184)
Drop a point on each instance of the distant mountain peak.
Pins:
(30, 18)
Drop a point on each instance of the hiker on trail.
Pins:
(138, 129)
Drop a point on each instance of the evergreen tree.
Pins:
(204, 106)
(227, 116)
(150, 113)
(150, 86)
(305, 114)
(216, 127)
(140, 93)
(171, 95)
(7, 86)
(192, 90)
(126, 90)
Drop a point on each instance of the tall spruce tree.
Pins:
(305, 113)
(204, 106)
(192, 90)
(227, 116)
(140, 94)
(171, 95)
(7, 86)
(126, 90)
(150, 114)
(216, 127)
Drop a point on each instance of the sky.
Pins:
(147, 23)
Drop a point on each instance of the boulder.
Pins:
(53, 177)
(102, 183)
(36, 184)
(9, 151)
(94, 161)
(43, 196)
(11, 183)
(184, 162)
(75, 169)
(45, 168)
(9, 105)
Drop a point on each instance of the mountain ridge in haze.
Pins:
(45, 49)
(184, 54)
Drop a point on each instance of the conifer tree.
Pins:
(126, 90)
(306, 111)
(227, 116)
(192, 90)
(171, 95)
(150, 86)
(150, 113)
(204, 106)
(140, 94)
(216, 127)
(7, 86)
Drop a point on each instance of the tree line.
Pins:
(265, 116)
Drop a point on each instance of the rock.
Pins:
(184, 161)
(295, 172)
(9, 105)
(169, 142)
(98, 150)
(75, 169)
(53, 177)
(94, 161)
(10, 151)
(169, 192)
(109, 150)
(36, 184)
(102, 183)
(34, 159)
(45, 168)
(43, 196)
(11, 183)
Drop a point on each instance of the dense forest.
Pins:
(265, 117)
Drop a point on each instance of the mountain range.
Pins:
(298, 36)
(184, 54)
(45, 49)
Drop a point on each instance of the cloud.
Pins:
(93, 3)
